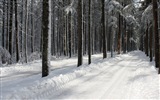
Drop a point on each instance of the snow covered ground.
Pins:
(128, 76)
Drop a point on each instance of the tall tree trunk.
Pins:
(65, 37)
(84, 30)
(7, 31)
(89, 33)
(70, 36)
(3, 27)
(79, 32)
(17, 32)
(119, 35)
(146, 42)
(150, 44)
(22, 15)
(155, 14)
(32, 27)
(103, 32)
(26, 32)
(53, 32)
(10, 27)
(45, 33)
(125, 38)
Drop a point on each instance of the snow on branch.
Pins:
(107, 1)
(112, 19)
(116, 4)
(112, 22)
(147, 12)
(134, 40)
(70, 8)
(131, 19)
(128, 13)
(129, 9)
(113, 5)
(147, 15)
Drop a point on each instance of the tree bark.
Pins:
(3, 27)
(7, 31)
(146, 42)
(10, 27)
(156, 35)
(45, 23)
(119, 35)
(150, 44)
(89, 33)
(32, 27)
(103, 32)
(125, 38)
(70, 36)
(17, 32)
(79, 32)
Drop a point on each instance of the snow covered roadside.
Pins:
(53, 81)
(17, 76)
(141, 83)
(145, 82)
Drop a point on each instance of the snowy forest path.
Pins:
(127, 76)
(109, 83)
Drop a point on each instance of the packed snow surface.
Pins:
(127, 76)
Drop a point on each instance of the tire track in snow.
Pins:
(111, 68)
(117, 80)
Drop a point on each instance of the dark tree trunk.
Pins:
(89, 33)
(119, 35)
(109, 39)
(3, 27)
(100, 38)
(26, 32)
(128, 37)
(150, 44)
(22, 14)
(146, 42)
(17, 32)
(45, 23)
(141, 47)
(79, 32)
(125, 38)
(84, 29)
(70, 36)
(10, 27)
(32, 27)
(156, 35)
(7, 31)
(103, 32)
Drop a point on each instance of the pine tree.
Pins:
(150, 44)
(32, 27)
(26, 32)
(119, 35)
(45, 23)
(79, 32)
(89, 33)
(3, 27)
(103, 28)
(10, 27)
(156, 34)
(17, 32)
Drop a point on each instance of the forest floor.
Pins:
(127, 76)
